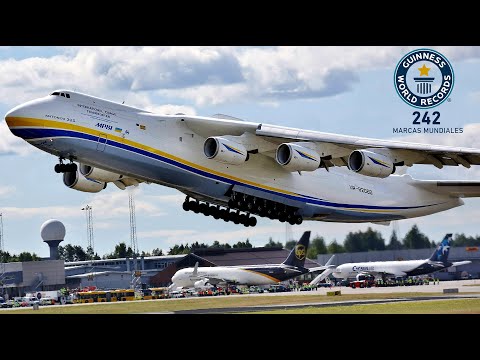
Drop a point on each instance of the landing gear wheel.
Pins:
(298, 219)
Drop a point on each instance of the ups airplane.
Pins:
(261, 274)
(232, 169)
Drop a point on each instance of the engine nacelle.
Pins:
(225, 151)
(294, 157)
(98, 174)
(75, 180)
(201, 283)
(369, 163)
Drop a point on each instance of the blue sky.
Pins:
(346, 90)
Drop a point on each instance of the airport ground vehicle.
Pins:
(278, 288)
(47, 300)
(363, 281)
(29, 301)
(105, 296)
(255, 289)
(159, 292)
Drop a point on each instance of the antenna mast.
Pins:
(133, 226)
(89, 215)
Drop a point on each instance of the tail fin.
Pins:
(442, 250)
(329, 262)
(195, 269)
(299, 252)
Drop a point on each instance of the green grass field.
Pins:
(464, 306)
(172, 305)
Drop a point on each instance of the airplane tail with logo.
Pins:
(299, 252)
(442, 250)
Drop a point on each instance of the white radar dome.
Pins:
(52, 230)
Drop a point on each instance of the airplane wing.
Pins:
(328, 265)
(322, 276)
(460, 263)
(331, 149)
(390, 272)
(214, 281)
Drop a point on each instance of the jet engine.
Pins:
(98, 174)
(224, 150)
(75, 180)
(369, 163)
(200, 283)
(294, 157)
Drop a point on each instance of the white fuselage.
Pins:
(234, 275)
(164, 149)
(350, 270)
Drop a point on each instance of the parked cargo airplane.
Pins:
(230, 169)
(437, 261)
(264, 274)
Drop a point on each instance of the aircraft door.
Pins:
(102, 141)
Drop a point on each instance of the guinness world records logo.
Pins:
(424, 78)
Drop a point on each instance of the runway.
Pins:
(467, 289)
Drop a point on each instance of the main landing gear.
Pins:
(249, 204)
(63, 168)
(265, 208)
(219, 213)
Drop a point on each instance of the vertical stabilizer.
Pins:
(195, 269)
(299, 252)
(442, 250)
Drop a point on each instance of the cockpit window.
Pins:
(56, 93)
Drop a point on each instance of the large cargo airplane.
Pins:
(231, 169)
(263, 274)
(436, 262)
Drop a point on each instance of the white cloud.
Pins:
(12, 145)
(172, 237)
(114, 204)
(204, 75)
(47, 211)
(170, 109)
(7, 191)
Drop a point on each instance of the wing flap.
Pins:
(454, 188)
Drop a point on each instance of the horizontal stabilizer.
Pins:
(456, 188)
(460, 263)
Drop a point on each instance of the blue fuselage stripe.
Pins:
(38, 133)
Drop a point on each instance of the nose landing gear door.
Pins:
(102, 141)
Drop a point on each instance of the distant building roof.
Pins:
(105, 261)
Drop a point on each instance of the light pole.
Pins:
(88, 210)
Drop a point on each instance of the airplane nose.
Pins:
(13, 114)
(23, 121)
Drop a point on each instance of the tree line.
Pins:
(369, 240)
